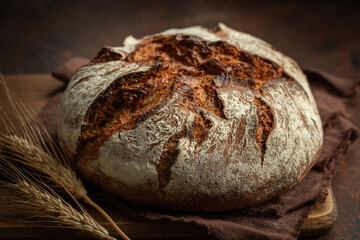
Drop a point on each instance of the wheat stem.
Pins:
(88, 200)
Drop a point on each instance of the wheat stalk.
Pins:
(54, 207)
(31, 145)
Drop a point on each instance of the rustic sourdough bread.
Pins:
(191, 119)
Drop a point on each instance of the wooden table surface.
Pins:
(36, 36)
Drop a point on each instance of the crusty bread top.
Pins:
(193, 112)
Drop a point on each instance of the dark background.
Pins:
(36, 36)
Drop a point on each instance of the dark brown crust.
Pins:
(201, 127)
(194, 69)
(168, 158)
(106, 55)
(265, 124)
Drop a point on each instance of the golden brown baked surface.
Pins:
(189, 66)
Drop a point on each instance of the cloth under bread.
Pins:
(282, 216)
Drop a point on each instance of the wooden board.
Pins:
(36, 90)
(322, 217)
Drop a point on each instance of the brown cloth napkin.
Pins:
(282, 216)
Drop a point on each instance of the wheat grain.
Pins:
(34, 157)
(62, 175)
(53, 206)
(31, 145)
(66, 215)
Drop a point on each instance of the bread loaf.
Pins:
(191, 119)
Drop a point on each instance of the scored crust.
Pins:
(191, 119)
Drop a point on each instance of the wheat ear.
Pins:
(32, 146)
(56, 210)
